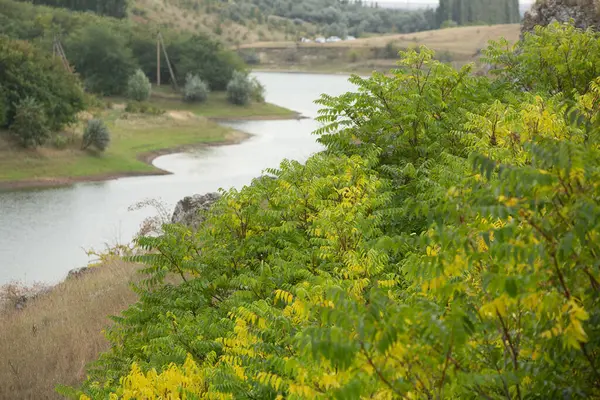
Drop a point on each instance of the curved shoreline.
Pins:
(234, 137)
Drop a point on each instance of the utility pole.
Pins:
(57, 49)
(157, 61)
(162, 44)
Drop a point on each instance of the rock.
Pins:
(585, 13)
(187, 210)
(77, 272)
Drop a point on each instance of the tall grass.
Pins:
(51, 340)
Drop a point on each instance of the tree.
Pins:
(139, 86)
(113, 8)
(30, 125)
(239, 89)
(101, 56)
(200, 56)
(96, 134)
(28, 72)
(444, 245)
(195, 89)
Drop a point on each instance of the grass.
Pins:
(56, 335)
(217, 106)
(461, 42)
(132, 137)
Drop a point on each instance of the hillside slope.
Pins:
(463, 41)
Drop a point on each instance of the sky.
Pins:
(431, 3)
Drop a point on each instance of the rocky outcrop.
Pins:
(188, 210)
(585, 13)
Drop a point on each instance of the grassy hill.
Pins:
(459, 45)
(212, 20)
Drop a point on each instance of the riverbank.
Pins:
(54, 336)
(136, 139)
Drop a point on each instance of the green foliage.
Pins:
(106, 52)
(444, 245)
(102, 58)
(240, 89)
(558, 58)
(200, 56)
(30, 124)
(113, 8)
(139, 87)
(195, 89)
(96, 134)
(330, 16)
(465, 12)
(137, 107)
(27, 72)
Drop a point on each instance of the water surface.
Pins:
(45, 233)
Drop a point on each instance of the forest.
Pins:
(466, 12)
(112, 8)
(445, 244)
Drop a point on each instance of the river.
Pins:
(45, 233)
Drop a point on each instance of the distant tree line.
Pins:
(466, 12)
(112, 8)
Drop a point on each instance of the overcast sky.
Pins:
(437, 2)
(412, 4)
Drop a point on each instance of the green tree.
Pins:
(101, 56)
(30, 125)
(239, 89)
(195, 89)
(558, 58)
(28, 72)
(96, 134)
(139, 87)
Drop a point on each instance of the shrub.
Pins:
(61, 141)
(103, 59)
(239, 89)
(258, 90)
(96, 135)
(196, 90)
(27, 71)
(137, 107)
(139, 86)
(242, 89)
(30, 125)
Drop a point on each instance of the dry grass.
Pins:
(52, 339)
(196, 19)
(463, 41)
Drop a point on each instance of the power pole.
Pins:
(162, 44)
(157, 61)
(57, 49)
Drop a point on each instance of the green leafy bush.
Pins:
(30, 124)
(102, 57)
(195, 89)
(139, 87)
(558, 58)
(96, 135)
(258, 90)
(242, 89)
(26, 71)
(239, 89)
(137, 107)
(61, 142)
(444, 245)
